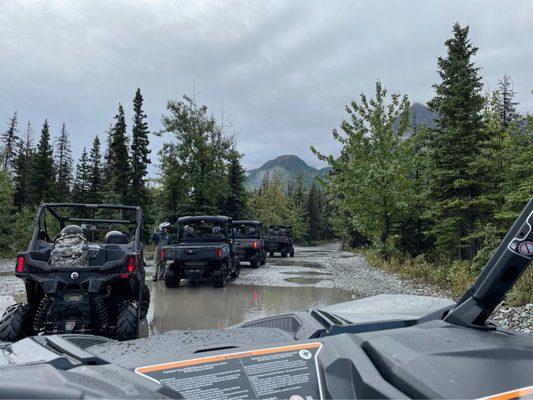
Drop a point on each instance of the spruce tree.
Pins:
(63, 165)
(455, 147)
(313, 213)
(139, 153)
(119, 161)
(80, 191)
(95, 172)
(507, 105)
(42, 172)
(10, 143)
(22, 169)
(235, 205)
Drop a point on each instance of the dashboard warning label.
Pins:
(285, 372)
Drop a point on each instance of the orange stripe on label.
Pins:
(223, 357)
(523, 393)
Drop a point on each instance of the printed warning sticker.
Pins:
(285, 372)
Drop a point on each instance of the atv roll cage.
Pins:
(87, 213)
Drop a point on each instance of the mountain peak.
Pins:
(289, 166)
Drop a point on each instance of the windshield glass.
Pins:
(244, 231)
(202, 231)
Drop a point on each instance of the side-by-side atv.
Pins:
(83, 272)
(204, 251)
(278, 239)
(249, 243)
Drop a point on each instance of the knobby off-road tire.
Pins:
(16, 323)
(145, 300)
(172, 279)
(127, 321)
(292, 253)
(254, 263)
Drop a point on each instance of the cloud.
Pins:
(284, 70)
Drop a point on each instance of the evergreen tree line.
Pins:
(446, 193)
(33, 174)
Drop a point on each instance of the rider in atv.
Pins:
(161, 238)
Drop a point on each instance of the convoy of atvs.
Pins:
(84, 269)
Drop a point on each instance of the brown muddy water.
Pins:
(205, 307)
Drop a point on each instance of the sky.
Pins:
(280, 71)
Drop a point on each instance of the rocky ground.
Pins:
(323, 266)
(328, 266)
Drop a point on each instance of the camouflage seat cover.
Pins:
(69, 251)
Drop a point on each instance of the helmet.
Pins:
(71, 230)
(164, 225)
(115, 237)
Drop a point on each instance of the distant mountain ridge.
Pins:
(288, 167)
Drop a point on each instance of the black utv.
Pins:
(249, 243)
(83, 272)
(278, 239)
(204, 250)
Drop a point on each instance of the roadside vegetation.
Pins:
(427, 202)
(431, 203)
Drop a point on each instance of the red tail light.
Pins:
(131, 264)
(21, 263)
(219, 252)
(254, 245)
(162, 255)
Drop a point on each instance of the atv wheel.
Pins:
(237, 271)
(271, 254)
(284, 253)
(145, 300)
(127, 321)
(172, 280)
(263, 260)
(16, 323)
(219, 282)
(254, 263)
(292, 253)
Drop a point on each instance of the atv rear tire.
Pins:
(127, 321)
(172, 279)
(271, 254)
(145, 300)
(16, 323)
(292, 253)
(254, 263)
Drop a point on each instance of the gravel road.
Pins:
(323, 266)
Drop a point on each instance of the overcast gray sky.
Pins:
(283, 70)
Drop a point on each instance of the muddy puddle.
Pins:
(203, 307)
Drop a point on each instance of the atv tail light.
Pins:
(254, 245)
(162, 255)
(21, 263)
(219, 252)
(131, 264)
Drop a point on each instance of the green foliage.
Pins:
(42, 171)
(22, 171)
(314, 214)
(6, 213)
(200, 153)
(140, 153)
(235, 204)
(10, 140)
(82, 184)
(63, 165)
(271, 204)
(456, 151)
(95, 173)
(119, 163)
(371, 178)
